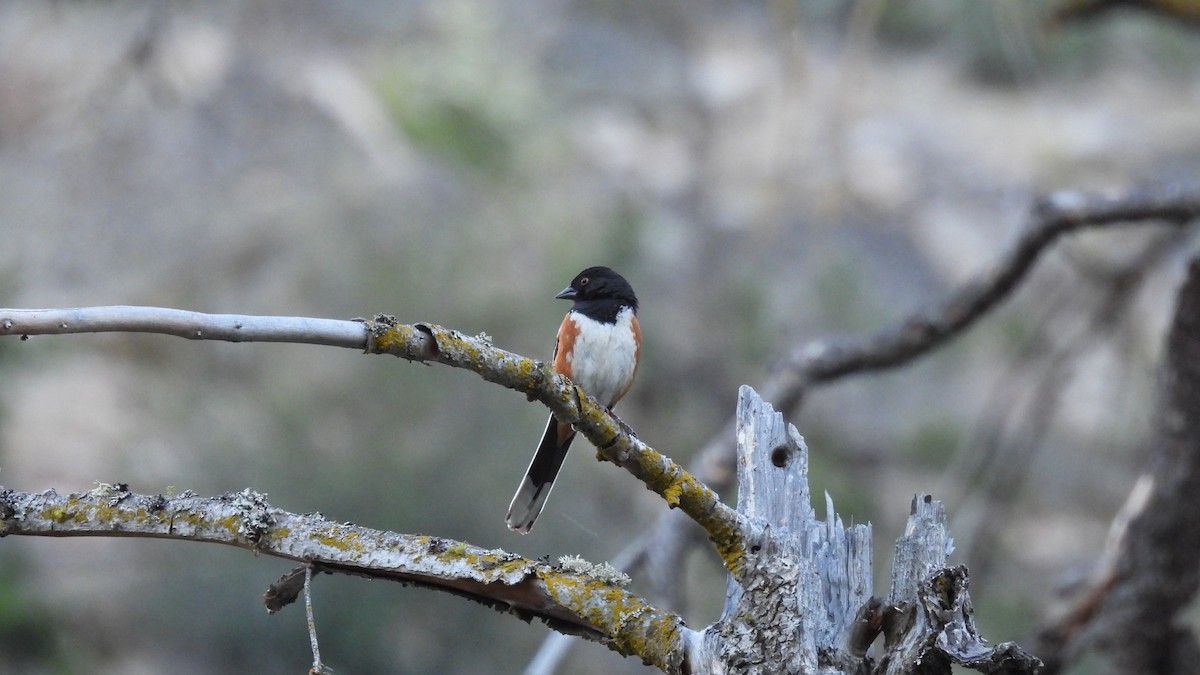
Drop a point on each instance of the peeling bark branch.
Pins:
(569, 601)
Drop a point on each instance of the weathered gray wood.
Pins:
(922, 550)
(929, 620)
(803, 603)
(806, 578)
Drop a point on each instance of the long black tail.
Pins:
(539, 477)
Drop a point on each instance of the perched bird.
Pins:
(597, 348)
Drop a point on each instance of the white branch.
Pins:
(185, 324)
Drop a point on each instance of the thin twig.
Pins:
(318, 668)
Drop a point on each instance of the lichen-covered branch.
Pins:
(570, 598)
(614, 442)
(428, 343)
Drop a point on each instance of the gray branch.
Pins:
(576, 599)
(184, 324)
(798, 597)
(1053, 217)
(427, 343)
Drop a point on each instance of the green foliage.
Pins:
(463, 95)
(914, 23)
(934, 442)
(623, 233)
(27, 628)
(465, 131)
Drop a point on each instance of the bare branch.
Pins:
(318, 667)
(566, 600)
(1070, 11)
(1059, 214)
(184, 324)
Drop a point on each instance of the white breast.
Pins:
(605, 355)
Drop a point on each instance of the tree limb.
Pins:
(828, 360)
(427, 343)
(184, 324)
(578, 603)
(1186, 12)
(823, 361)
(1054, 216)
(1131, 605)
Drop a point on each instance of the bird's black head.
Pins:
(599, 287)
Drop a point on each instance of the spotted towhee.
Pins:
(597, 348)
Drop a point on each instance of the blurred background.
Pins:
(764, 173)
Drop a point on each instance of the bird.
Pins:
(598, 347)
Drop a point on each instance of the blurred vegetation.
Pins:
(28, 629)
(765, 174)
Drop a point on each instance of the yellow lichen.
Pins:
(344, 542)
(56, 513)
(392, 339)
(673, 493)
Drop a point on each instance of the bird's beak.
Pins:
(567, 293)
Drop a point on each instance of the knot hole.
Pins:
(780, 456)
